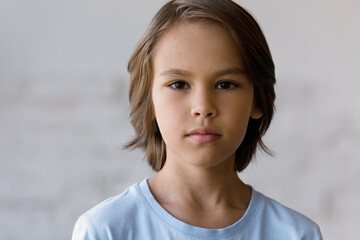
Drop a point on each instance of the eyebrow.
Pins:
(184, 73)
(175, 72)
(230, 71)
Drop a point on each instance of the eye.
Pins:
(226, 85)
(179, 85)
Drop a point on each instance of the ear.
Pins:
(256, 113)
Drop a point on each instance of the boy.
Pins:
(201, 96)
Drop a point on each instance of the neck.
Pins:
(205, 187)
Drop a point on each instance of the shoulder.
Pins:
(286, 221)
(112, 213)
(119, 205)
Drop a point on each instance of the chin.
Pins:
(210, 161)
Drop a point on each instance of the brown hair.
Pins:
(253, 49)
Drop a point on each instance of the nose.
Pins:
(204, 105)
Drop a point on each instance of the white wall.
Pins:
(64, 111)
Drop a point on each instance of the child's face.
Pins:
(201, 96)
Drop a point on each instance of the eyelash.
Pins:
(232, 85)
(184, 85)
(172, 85)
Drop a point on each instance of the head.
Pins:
(252, 48)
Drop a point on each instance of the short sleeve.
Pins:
(82, 230)
(318, 233)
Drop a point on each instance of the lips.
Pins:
(203, 135)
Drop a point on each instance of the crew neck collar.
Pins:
(199, 232)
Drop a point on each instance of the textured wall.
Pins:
(64, 111)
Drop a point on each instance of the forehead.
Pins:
(196, 45)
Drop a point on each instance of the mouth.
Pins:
(203, 135)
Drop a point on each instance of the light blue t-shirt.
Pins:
(135, 214)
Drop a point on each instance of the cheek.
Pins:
(237, 117)
(240, 108)
(169, 113)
